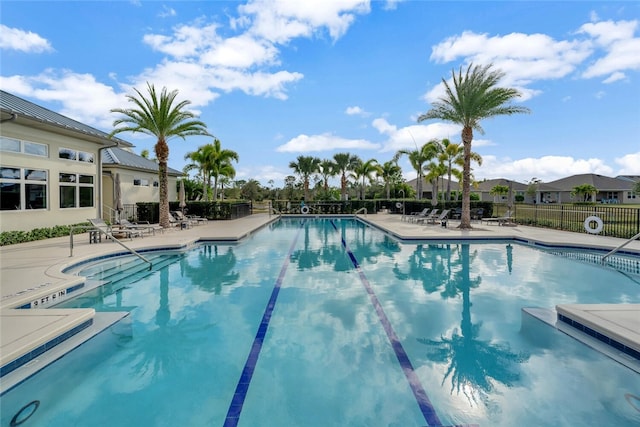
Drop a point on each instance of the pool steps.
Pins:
(536, 322)
(54, 326)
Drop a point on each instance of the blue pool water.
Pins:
(329, 322)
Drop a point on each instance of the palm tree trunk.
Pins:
(465, 217)
(162, 154)
(164, 193)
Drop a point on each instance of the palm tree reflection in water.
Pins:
(473, 365)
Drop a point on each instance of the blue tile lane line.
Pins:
(428, 411)
(233, 415)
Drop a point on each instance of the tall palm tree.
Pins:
(220, 162)
(366, 171)
(160, 116)
(344, 164)
(417, 159)
(305, 167)
(473, 97)
(391, 174)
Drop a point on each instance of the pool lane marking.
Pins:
(233, 414)
(428, 411)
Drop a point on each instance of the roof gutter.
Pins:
(13, 117)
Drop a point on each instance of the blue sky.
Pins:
(276, 79)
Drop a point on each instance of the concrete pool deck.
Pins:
(32, 273)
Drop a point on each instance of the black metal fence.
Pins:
(210, 210)
(616, 221)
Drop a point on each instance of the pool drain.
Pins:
(24, 413)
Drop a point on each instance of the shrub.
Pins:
(15, 237)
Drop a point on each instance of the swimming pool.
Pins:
(329, 322)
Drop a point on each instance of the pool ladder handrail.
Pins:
(360, 210)
(92, 228)
(275, 211)
(613, 251)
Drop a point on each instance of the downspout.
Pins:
(100, 201)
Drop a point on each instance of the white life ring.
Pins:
(304, 210)
(398, 205)
(592, 230)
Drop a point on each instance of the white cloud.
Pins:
(82, 98)
(622, 48)
(240, 52)
(325, 142)
(410, 137)
(186, 41)
(629, 163)
(23, 41)
(356, 111)
(282, 20)
(546, 168)
(167, 12)
(522, 57)
(614, 77)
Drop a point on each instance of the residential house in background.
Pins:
(51, 168)
(484, 190)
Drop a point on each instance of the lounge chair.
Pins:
(507, 219)
(113, 232)
(177, 222)
(142, 226)
(428, 217)
(439, 218)
(409, 216)
(197, 220)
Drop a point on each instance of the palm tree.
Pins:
(200, 160)
(418, 158)
(305, 167)
(367, 171)
(327, 169)
(344, 164)
(391, 174)
(473, 97)
(160, 116)
(221, 164)
(434, 171)
(453, 154)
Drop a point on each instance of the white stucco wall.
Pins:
(29, 219)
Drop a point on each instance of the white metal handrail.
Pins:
(92, 228)
(360, 210)
(613, 251)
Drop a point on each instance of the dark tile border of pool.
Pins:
(23, 360)
(600, 337)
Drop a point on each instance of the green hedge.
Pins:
(14, 237)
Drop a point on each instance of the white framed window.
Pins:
(75, 155)
(140, 182)
(24, 147)
(23, 188)
(76, 190)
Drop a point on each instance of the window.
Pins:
(23, 189)
(24, 147)
(76, 190)
(631, 195)
(140, 182)
(80, 156)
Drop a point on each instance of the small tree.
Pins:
(584, 192)
(499, 190)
